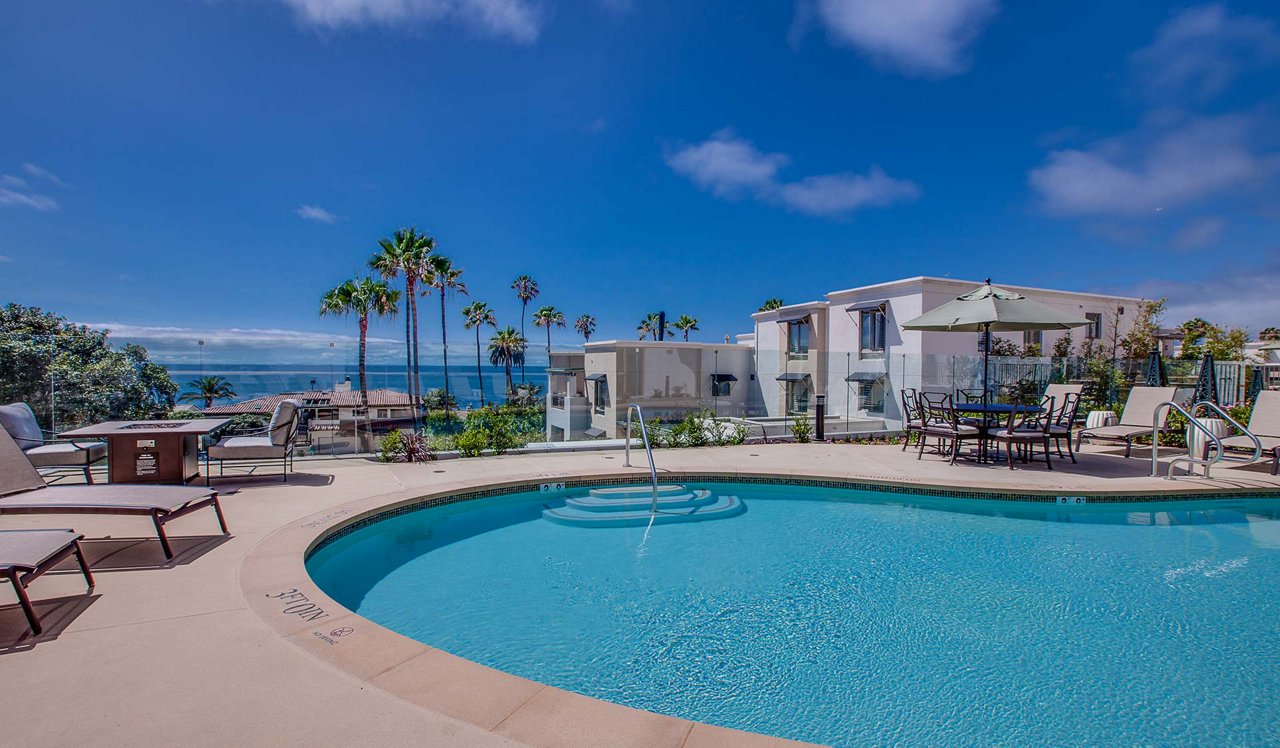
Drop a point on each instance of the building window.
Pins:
(871, 323)
(1033, 337)
(798, 339)
(871, 396)
(798, 396)
(1094, 330)
(601, 396)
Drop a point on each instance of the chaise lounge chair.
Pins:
(1139, 410)
(26, 554)
(23, 491)
(1264, 423)
(20, 421)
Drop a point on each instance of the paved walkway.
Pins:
(172, 654)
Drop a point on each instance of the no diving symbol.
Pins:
(340, 632)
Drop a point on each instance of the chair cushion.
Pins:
(1117, 432)
(1016, 434)
(64, 454)
(19, 420)
(246, 448)
(961, 430)
(1059, 430)
(1243, 442)
(282, 422)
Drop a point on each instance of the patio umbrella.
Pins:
(991, 309)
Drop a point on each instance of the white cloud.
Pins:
(5, 258)
(1156, 167)
(27, 200)
(1235, 295)
(9, 180)
(916, 37)
(315, 213)
(514, 20)
(727, 165)
(1199, 233)
(231, 335)
(731, 167)
(41, 173)
(1198, 52)
(836, 194)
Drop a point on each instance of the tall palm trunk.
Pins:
(508, 365)
(548, 344)
(479, 371)
(364, 334)
(416, 394)
(408, 347)
(524, 312)
(444, 343)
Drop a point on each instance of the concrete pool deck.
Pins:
(199, 651)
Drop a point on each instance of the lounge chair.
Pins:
(1264, 423)
(275, 442)
(1139, 411)
(44, 451)
(23, 491)
(26, 554)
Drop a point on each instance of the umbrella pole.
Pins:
(986, 357)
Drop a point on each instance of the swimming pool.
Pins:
(855, 617)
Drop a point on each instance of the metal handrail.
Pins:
(1219, 455)
(644, 435)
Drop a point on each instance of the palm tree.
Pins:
(546, 317)
(477, 314)
(686, 325)
(405, 253)
(208, 389)
(650, 324)
(506, 348)
(585, 325)
(362, 297)
(526, 290)
(770, 304)
(443, 277)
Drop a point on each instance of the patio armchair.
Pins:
(939, 420)
(275, 442)
(1025, 429)
(1264, 423)
(42, 447)
(1140, 409)
(911, 419)
(26, 554)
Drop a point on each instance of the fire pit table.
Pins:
(152, 451)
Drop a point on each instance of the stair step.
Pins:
(627, 502)
(722, 508)
(644, 490)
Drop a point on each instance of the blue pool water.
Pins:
(859, 618)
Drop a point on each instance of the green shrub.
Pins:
(802, 429)
(405, 446)
(389, 448)
(471, 443)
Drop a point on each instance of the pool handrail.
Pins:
(1216, 442)
(644, 435)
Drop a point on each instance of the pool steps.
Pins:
(630, 506)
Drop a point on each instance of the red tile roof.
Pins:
(314, 398)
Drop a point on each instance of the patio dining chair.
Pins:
(911, 419)
(1064, 421)
(1025, 429)
(42, 447)
(969, 396)
(939, 420)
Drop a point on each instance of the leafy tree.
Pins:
(506, 349)
(444, 278)
(1141, 340)
(686, 325)
(1062, 347)
(1226, 344)
(91, 381)
(770, 304)
(1031, 350)
(361, 297)
(438, 398)
(208, 389)
(476, 315)
(406, 253)
(1194, 332)
(1269, 334)
(1003, 347)
(585, 325)
(548, 317)
(526, 290)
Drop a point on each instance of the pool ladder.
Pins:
(1218, 453)
(648, 450)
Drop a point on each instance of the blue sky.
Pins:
(215, 164)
